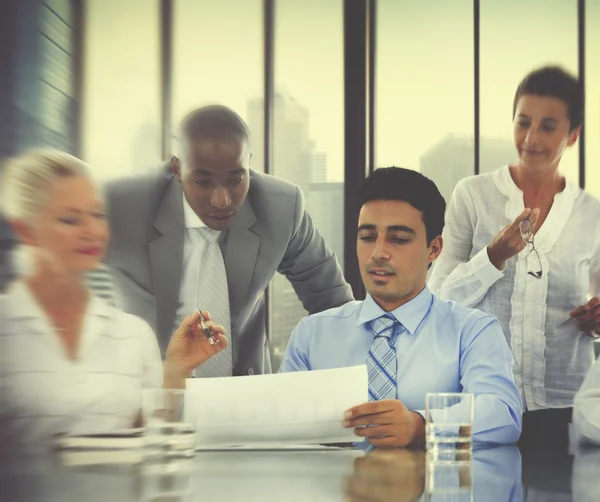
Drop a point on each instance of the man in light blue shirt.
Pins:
(412, 342)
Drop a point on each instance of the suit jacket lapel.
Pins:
(240, 258)
(166, 258)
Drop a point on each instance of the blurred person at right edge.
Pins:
(521, 243)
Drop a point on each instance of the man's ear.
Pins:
(23, 231)
(176, 168)
(435, 248)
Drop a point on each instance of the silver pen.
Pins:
(207, 332)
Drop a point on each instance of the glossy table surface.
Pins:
(493, 474)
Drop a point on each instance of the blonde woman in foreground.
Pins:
(70, 362)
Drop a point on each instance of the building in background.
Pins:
(452, 159)
(325, 203)
(144, 159)
(319, 166)
(495, 153)
(292, 148)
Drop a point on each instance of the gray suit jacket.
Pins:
(271, 233)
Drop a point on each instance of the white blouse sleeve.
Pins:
(595, 267)
(455, 275)
(152, 377)
(586, 410)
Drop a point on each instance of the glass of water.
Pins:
(168, 433)
(449, 425)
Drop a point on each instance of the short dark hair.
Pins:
(555, 82)
(215, 122)
(397, 183)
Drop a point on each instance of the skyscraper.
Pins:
(292, 148)
(325, 202)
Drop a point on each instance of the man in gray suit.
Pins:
(160, 253)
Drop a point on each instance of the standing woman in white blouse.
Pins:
(523, 243)
(70, 362)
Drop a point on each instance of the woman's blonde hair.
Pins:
(27, 180)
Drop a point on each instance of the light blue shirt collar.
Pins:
(410, 315)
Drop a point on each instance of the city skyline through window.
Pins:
(424, 110)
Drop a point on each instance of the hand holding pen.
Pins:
(190, 345)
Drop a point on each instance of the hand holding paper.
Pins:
(386, 423)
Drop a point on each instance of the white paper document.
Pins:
(287, 408)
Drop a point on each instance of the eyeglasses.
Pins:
(526, 229)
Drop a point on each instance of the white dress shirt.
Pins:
(46, 393)
(194, 247)
(552, 356)
(586, 411)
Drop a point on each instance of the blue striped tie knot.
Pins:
(384, 326)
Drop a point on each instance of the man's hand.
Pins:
(390, 423)
(189, 347)
(587, 317)
(509, 241)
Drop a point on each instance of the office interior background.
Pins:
(331, 89)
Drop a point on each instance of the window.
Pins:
(218, 59)
(424, 89)
(517, 37)
(308, 133)
(592, 98)
(121, 109)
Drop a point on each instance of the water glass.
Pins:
(167, 433)
(449, 425)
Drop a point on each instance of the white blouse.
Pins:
(552, 356)
(45, 393)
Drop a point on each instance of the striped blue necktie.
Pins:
(382, 363)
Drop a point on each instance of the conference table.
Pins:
(308, 474)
